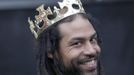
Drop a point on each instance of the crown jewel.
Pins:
(67, 8)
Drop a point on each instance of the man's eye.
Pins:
(76, 44)
(93, 40)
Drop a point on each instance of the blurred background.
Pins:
(116, 18)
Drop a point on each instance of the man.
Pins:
(69, 45)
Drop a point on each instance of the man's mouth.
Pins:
(89, 64)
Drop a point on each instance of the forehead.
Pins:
(78, 27)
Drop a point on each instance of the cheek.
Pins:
(97, 48)
(69, 55)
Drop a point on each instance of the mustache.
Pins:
(88, 58)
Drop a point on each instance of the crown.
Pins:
(66, 8)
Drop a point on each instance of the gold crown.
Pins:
(67, 8)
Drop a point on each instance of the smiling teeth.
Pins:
(92, 62)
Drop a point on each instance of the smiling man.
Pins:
(78, 47)
(68, 42)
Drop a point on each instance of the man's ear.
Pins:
(50, 55)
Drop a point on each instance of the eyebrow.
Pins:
(81, 38)
(94, 35)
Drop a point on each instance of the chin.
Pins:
(89, 72)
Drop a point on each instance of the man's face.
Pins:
(79, 49)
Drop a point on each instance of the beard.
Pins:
(73, 68)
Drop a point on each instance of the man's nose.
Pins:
(89, 49)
